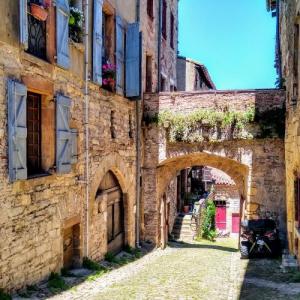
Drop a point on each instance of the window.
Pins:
(296, 66)
(297, 199)
(112, 124)
(130, 125)
(44, 30)
(36, 33)
(149, 74)
(172, 21)
(39, 134)
(164, 20)
(76, 21)
(150, 8)
(33, 134)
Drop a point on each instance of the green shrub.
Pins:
(4, 296)
(56, 282)
(133, 251)
(110, 257)
(92, 265)
(208, 227)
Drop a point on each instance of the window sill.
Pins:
(40, 175)
(78, 46)
(37, 61)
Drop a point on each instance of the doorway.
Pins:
(71, 246)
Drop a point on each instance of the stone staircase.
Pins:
(184, 228)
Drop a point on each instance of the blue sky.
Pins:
(235, 39)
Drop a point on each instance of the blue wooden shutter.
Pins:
(23, 23)
(120, 50)
(17, 130)
(63, 135)
(74, 152)
(133, 54)
(62, 33)
(97, 42)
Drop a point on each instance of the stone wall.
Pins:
(35, 212)
(186, 102)
(288, 18)
(150, 29)
(256, 165)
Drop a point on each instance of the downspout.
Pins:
(138, 149)
(86, 122)
(159, 45)
(279, 69)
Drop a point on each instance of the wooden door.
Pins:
(115, 222)
(235, 223)
(221, 217)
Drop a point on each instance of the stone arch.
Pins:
(168, 168)
(125, 175)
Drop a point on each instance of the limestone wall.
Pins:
(185, 102)
(288, 18)
(34, 212)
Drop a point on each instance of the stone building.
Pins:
(192, 76)
(70, 155)
(68, 134)
(253, 156)
(287, 63)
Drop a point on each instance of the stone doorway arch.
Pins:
(110, 204)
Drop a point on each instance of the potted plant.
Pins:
(38, 10)
(76, 25)
(109, 75)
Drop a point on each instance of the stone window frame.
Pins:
(50, 37)
(109, 40)
(45, 89)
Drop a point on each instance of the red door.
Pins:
(221, 217)
(235, 223)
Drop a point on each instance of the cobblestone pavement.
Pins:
(190, 271)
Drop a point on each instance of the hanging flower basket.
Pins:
(39, 12)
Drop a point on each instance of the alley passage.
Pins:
(211, 271)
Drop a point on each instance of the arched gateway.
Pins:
(239, 133)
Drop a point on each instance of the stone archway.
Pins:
(168, 169)
(124, 177)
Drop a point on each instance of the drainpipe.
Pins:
(159, 45)
(278, 42)
(86, 122)
(138, 149)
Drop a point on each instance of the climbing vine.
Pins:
(210, 125)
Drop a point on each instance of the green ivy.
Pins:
(186, 127)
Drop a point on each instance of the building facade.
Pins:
(287, 62)
(69, 127)
(192, 76)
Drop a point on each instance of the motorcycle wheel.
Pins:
(244, 251)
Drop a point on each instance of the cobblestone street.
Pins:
(191, 271)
